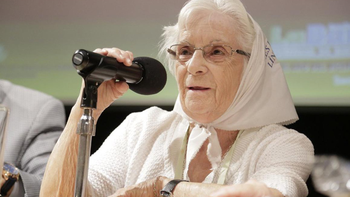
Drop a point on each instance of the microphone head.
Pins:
(154, 76)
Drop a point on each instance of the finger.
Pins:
(101, 51)
(121, 87)
(128, 56)
(124, 57)
(113, 90)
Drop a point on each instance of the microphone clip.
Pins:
(89, 94)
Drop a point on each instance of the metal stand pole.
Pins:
(86, 129)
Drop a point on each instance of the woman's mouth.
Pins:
(198, 88)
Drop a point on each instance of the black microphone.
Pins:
(145, 76)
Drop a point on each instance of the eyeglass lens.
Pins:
(212, 53)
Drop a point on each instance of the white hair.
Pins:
(232, 8)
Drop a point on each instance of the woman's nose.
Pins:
(197, 64)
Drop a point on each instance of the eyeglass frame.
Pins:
(173, 53)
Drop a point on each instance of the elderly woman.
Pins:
(225, 129)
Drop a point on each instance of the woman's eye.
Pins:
(218, 51)
(184, 51)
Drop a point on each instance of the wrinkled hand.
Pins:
(110, 90)
(149, 188)
(251, 188)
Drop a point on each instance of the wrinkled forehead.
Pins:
(195, 17)
(206, 26)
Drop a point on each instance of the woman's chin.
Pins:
(200, 115)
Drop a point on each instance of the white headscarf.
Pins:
(263, 98)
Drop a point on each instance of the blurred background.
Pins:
(310, 38)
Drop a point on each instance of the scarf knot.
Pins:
(198, 135)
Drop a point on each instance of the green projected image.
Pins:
(316, 61)
(38, 39)
(48, 67)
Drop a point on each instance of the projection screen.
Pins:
(310, 38)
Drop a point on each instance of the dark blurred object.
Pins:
(331, 176)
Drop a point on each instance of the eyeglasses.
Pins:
(212, 53)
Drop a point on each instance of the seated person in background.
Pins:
(34, 125)
(226, 127)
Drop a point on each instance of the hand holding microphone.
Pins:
(144, 75)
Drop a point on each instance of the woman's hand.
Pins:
(110, 90)
(149, 188)
(251, 188)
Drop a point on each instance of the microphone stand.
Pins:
(86, 129)
(95, 69)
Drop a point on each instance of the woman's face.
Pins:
(207, 89)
